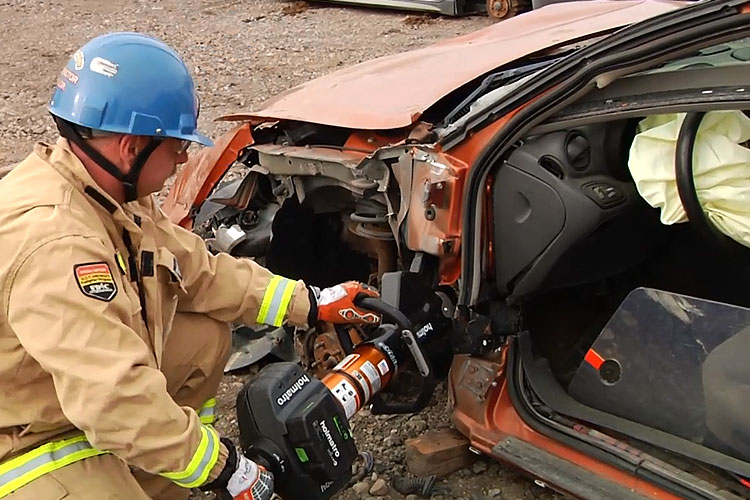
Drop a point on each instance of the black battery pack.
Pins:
(291, 422)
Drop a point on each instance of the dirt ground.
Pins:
(241, 52)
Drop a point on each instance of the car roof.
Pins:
(392, 92)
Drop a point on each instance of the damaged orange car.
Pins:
(557, 204)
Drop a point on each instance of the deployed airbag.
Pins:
(721, 167)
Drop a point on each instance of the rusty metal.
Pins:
(385, 252)
(327, 352)
(504, 9)
(498, 8)
(375, 240)
(478, 376)
(321, 351)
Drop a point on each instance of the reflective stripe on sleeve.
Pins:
(276, 301)
(207, 412)
(51, 456)
(204, 459)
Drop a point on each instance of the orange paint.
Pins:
(383, 94)
(363, 366)
(487, 421)
(474, 144)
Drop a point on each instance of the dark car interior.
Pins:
(572, 239)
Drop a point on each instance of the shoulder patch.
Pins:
(95, 280)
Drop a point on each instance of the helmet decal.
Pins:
(103, 67)
(79, 60)
(69, 75)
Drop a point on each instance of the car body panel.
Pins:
(200, 174)
(431, 186)
(337, 99)
(445, 7)
(484, 412)
(393, 91)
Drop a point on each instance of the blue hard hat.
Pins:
(129, 83)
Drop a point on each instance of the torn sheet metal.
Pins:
(341, 165)
(202, 172)
(250, 346)
(432, 187)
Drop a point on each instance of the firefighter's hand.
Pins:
(250, 481)
(336, 304)
(241, 478)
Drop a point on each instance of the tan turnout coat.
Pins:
(84, 313)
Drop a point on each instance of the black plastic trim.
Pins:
(562, 473)
(544, 385)
(535, 422)
(721, 99)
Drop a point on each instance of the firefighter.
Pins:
(113, 330)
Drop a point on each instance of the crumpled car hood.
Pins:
(393, 91)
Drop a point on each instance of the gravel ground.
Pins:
(240, 52)
(384, 436)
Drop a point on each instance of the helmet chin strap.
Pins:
(130, 180)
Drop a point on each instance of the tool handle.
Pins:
(387, 310)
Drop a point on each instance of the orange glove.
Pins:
(336, 304)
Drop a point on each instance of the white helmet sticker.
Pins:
(103, 67)
(78, 60)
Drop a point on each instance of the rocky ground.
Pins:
(384, 435)
(241, 52)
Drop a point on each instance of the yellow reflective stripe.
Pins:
(276, 301)
(17, 483)
(121, 262)
(45, 448)
(23, 469)
(207, 411)
(268, 299)
(204, 459)
(285, 299)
